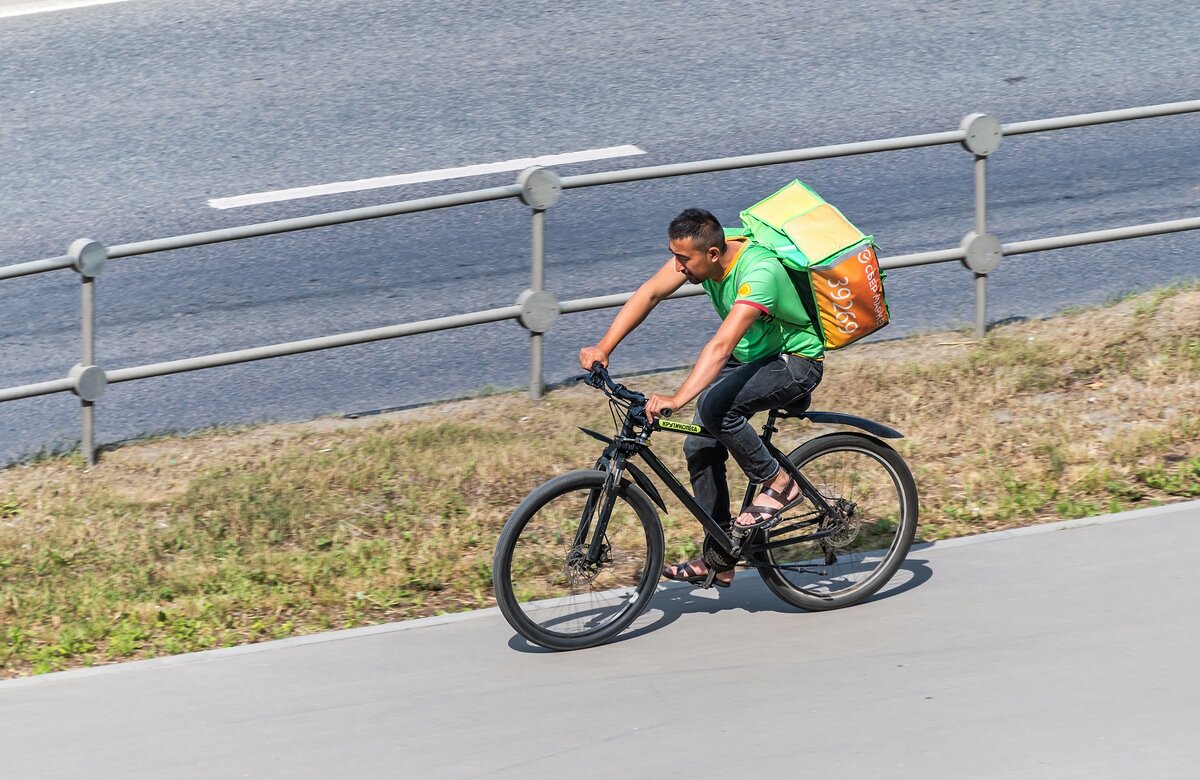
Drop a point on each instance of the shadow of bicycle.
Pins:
(748, 592)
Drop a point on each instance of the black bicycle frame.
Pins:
(625, 446)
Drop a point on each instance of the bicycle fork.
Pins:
(603, 498)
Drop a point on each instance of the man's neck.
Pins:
(732, 247)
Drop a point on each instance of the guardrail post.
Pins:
(90, 380)
(540, 189)
(981, 136)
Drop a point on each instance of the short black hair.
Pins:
(700, 226)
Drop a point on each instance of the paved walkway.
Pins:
(1069, 652)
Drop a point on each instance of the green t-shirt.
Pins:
(758, 279)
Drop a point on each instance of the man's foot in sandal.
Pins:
(696, 572)
(781, 493)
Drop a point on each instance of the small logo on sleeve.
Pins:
(743, 291)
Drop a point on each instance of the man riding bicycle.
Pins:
(766, 354)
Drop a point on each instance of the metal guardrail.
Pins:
(536, 309)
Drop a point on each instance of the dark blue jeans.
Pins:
(723, 409)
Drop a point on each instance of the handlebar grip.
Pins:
(666, 412)
(595, 377)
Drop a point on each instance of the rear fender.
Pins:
(837, 418)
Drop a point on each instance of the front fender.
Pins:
(646, 485)
(595, 435)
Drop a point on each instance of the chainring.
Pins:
(716, 558)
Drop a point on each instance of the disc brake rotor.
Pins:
(579, 570)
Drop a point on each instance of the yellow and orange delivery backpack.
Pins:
(832, 263)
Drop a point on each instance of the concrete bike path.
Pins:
(1065, 651)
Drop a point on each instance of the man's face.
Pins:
(692, 261)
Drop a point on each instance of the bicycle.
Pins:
(580, 558)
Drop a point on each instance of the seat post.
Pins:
(769, 428)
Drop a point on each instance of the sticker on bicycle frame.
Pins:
(678, 426)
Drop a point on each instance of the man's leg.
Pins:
(756, 387)
(706, 471)
(706, 459)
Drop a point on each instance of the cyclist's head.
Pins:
(697, 242)
(700, 226)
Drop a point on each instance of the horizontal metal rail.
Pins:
(313, 221)
(1101, 117)
(619, 299)
(758, 160)
(33, 391)
(270, 228)
(922, 258)
(36, 267)
(1101, 236)
(313, 345)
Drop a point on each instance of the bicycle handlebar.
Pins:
(599, 378)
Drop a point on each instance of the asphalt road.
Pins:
(119, 122)
(1057, 652)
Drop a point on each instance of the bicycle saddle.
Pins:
(797, 409)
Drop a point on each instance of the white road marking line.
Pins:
(41, 6)
(425, 176)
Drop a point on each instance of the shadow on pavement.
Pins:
(748, 592)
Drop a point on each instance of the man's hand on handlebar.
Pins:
(660, 406)
(590, 355)
(654, 406)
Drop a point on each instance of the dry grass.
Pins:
(222, 538)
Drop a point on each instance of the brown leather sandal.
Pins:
(687, 572)
(765, 515)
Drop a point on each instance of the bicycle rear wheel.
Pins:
(544, 584)
(862, 545)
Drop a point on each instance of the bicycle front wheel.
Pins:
(840, 559)
(566, 577)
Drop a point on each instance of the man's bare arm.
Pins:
(655, 289)
(712, 359)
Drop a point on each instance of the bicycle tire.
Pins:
(835, 464)
(558, 601)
